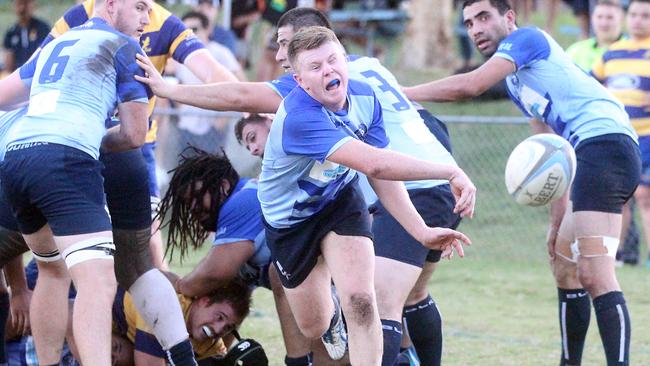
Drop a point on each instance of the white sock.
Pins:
(157, 303)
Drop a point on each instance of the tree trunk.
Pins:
(429, 35)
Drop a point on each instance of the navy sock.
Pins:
(181, 354)
(424, 324)
(574, 312)
(614, 325)
(298, 361)
(392, 337)
(4, 315)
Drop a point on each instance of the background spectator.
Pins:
(580, 10)
(607, 24)
(219, 34)
(267, 67)
(24, 37)
(194, 128)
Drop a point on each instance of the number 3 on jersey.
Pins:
(55, 65)
(384, 86)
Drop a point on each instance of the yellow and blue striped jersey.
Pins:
(625, 70)
(164, 37)
(128, 323)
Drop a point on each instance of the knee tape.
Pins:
(89, 249)
(48, 257)
(595, 246)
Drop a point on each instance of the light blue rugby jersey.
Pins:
(548, 86)
(7, 121)
(407, 132)
(240, 219)
(297, 181)
(76, 82)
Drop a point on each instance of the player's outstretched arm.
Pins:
(217, 269)
(462, 86)
(252, 97)
(132, 130)
(394, 197)
(13, 92)
(389, 165)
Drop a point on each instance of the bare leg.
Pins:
(350, 260)
(596, 272)
(49, 306)
(95, 282)
(295, 343)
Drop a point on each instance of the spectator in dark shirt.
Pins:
(24, 37)
(219, 34)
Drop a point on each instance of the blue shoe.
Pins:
(411, 356)
(335, 338)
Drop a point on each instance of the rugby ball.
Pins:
(540, 169)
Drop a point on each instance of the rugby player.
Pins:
(130, 180)
(51, 174)
(399, 114)
(560, 98)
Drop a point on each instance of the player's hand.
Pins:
(447, 253)
(445, 239)
(465, 193)
(152, 77)
(20, 311)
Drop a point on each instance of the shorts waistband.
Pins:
(26, 145)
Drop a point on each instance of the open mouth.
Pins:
(482, 43)
(333, 84)
(207, 331)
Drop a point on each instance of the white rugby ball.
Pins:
(540, 169)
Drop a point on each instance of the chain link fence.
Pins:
(481, 146)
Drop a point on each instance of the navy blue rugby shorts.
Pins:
(54, 184)
(607, 173)
(295, 250)
(435, 205)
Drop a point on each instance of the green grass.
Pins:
(499, 303)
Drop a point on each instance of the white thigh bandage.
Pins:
(89, 249)
(595, 246)
(48, 257)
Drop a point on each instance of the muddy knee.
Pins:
(362, 309)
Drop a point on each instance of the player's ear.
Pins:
(204, 300)
(511, 17)
(298, 79)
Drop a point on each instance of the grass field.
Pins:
(499, 303)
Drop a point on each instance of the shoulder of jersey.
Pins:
(358, 87)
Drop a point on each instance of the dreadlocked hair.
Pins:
(197, 174)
